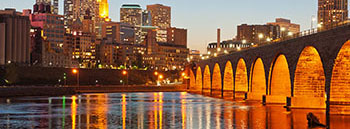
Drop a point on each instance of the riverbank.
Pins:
(18, 91)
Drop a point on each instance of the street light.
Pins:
(260, 36)
(76, 71)
(124, 72)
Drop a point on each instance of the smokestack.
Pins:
(218, 43)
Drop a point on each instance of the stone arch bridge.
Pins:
(311, 71)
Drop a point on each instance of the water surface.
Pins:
(169, 110)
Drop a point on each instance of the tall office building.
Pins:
(132, 15)
(14, 37)
(332, 12)
(161, 15)
(53, 3)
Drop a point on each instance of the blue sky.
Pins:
(203, 17)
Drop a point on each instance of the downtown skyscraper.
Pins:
(332, 12)
(53, 3)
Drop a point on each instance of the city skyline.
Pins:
(207, 13)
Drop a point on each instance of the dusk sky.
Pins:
(203, 17)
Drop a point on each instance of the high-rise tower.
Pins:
(103, 9)
(53, 3)
(332, 12)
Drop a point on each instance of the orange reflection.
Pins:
(228, 116)
(183, 109)
(74, 111)
(160, 110)
(124, 110)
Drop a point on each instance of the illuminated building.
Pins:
(14, 37)
(286, 25)
(257, 33)
(52, 33)
(133, 14)
(52, 3)
(120, 32)
(225, 47)
(332, 12)
(161, 15)
(103, 9)
(177, 36)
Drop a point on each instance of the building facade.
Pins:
(332, 12)
(226, 47)
(161, 15)
(257, 33)
(14, 37)
(286, 25)
(177, 36)
(52, 3)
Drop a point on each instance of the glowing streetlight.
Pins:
(290, 33)
(244, 41)
(156, 73)
(124, 72)
(215, 54)
(261, 36)
(76, 71)
(160, 76)
(268, 39)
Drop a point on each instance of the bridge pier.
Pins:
(308, 102)
(275, 99)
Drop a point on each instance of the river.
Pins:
(151, 110)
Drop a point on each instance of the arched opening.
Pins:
(258, 81)
(241, 80)
(199, 80)
(192, 80)
(280, 85)
(216, 86)
(340, 89)
(228, 81)
(309, 81)
(206, 81)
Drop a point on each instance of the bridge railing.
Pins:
(303, 34)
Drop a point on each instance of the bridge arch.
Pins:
(309, 80)
(279, 82)
(206, 81)
(216, 86)
(199, 80)
(340, 89)
(241, 80)
(228, 81)
(192, 80)
(258, 81)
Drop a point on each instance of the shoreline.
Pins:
(21, 91)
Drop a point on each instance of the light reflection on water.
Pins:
(151, 111)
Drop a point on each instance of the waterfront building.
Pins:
(14, 37)
(332, 12)
(120, 33)
(134, 15)
(177, 36)
(161, 18)
(52, 43)
(257, 33)
(195, 56)
(226, 47)
(286, 26)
